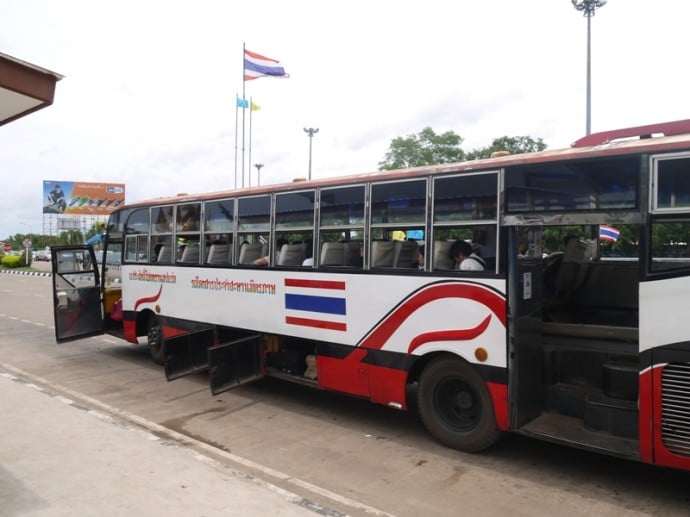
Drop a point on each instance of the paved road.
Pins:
(60, 458)
(342, 454)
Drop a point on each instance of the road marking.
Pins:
(154, 431)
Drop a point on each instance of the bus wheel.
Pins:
(455, 405)
(154, 336)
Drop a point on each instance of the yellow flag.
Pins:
(255, 107)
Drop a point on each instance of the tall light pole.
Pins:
(310, 132)
(588, 7)
(258, 173)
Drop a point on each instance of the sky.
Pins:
(149, 87)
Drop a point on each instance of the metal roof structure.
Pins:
(24, 88)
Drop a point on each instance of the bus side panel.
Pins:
(665, 353)
(129, 326)
(380, 384)
(388, 386)
(646, 423)
(348, 375)
(499, 396)
(671, 443)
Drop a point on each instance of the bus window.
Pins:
(294, 220)
(342, 206)
(398, 202)
(669, 244)
(161, 219)
(188, 224)
(580, 186)
(341, 240)
(253, 228)
(472, 199)
(466, 198)
(218, 228)
(137, 240)
(671, 182)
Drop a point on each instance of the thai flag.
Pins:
(608, 233)
(256, 65)
(315, 303)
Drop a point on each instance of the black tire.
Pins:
(455, 405)
(154, 338)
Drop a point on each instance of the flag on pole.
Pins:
(256, 65)
(254, 106)
(242, 103)
(608, 233)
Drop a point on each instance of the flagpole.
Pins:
(249, 160)
(243, 111)
(236, 119)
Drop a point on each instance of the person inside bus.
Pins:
(466, 259)
(308, 253)
(264, 261)
(420, 258)
(558, 286)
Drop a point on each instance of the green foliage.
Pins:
(428, 148)
(511, 144)
(25, 258)
(425, 148)
(11, 261)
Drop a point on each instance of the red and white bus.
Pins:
(586, 347)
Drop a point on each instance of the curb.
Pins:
(26, 273)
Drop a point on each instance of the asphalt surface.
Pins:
(61, 458)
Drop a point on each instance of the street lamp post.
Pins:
(258, 173)
(310, 132)
(588, 7)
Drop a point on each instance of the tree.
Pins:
(428, 148)
(511, 144)
(424, 148)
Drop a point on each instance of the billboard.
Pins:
(81, 197)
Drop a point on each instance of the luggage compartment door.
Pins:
(236, 362)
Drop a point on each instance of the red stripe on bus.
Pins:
(307, 322)
(378, 338)
(499, 396)
(319, 284)
(149, 299)
(449, 335)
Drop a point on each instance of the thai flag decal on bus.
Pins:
(315, 303)
(608, 233)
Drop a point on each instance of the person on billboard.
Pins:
(56, 198)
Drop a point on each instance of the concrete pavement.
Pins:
(60, 458)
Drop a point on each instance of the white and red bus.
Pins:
(587, 348)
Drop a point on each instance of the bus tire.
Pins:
(455, 405)
(154, 338)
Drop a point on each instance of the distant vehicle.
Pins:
(42, 255)
(111, 258)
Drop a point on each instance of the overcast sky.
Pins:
(148, 97)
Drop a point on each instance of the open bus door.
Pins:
(525, 301)
(76, 293)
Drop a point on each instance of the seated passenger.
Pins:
(461, 253)
(263, 261)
